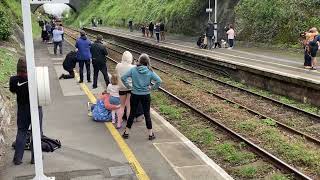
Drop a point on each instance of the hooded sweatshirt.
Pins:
(124, 67)
(141, 80)
(83, 45)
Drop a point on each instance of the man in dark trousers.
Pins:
(84, 56)
(210, 34)
(69, 64)
(99, 53)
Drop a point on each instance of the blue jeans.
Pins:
(114, 100)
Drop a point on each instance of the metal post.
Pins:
(33, 96)
(215, 22)
(209, 11)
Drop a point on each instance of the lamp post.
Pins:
(209, 10)
(215, 22)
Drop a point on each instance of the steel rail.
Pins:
(251, 111)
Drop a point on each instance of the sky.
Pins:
(55, 9)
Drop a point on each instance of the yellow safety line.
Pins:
(134, 163)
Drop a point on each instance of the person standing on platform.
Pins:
(124, 92)
(151, 28)
(69, 64)
(84, 56)
(19, 85)
(157, 31)
(130, 25)
(231, 35)
(209, 34)
(99, 61)
(143, 30)
(147, 31)
(307, 58)
(141, 76)
(48, 29)
(162, 31)
(312, 38)
(57, 39)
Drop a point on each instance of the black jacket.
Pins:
(210, 30)
(70, 61)
(162, 27)
(151, 27)
(19, 86)
(99, 53)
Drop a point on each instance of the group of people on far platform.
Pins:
(148, 30)
(206, 40)
(128, 89)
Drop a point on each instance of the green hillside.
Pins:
(276, 21)
(178, 14)
(13, 14)
(271, 21)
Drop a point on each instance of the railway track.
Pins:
(258, 150)
(195, 63)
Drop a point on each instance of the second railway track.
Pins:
(278, 162)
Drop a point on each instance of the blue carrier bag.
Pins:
(100, 113)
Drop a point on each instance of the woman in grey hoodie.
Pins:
(141, 76)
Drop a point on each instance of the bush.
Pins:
(5, 25)
(276, 21)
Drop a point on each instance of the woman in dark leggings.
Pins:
(141, 76)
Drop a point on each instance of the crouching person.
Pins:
(69, 64)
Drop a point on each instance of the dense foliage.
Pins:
(276, 21)
(14, 15)
(180, 15)
(5, 25)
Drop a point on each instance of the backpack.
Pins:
(47, 144)
(100, 113)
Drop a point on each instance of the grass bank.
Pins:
(16, 12)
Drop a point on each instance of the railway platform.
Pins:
(278, 71)
(93, 151)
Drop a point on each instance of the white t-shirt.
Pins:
(113, 90)
(231, 34)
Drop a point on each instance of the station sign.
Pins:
(209, 10)
(49, 1)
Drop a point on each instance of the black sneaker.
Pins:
(125, 135)
(152, 137)
(61, 77)
(80, 81)
(94, 87)
(89, 81)
(15, 162)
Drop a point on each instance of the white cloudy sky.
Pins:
(55, 9)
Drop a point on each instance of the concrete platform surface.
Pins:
(90, 152)
(281, 63)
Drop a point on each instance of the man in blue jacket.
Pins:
(84, 56)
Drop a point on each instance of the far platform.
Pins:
(275, 61)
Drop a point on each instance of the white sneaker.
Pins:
(229, 47)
